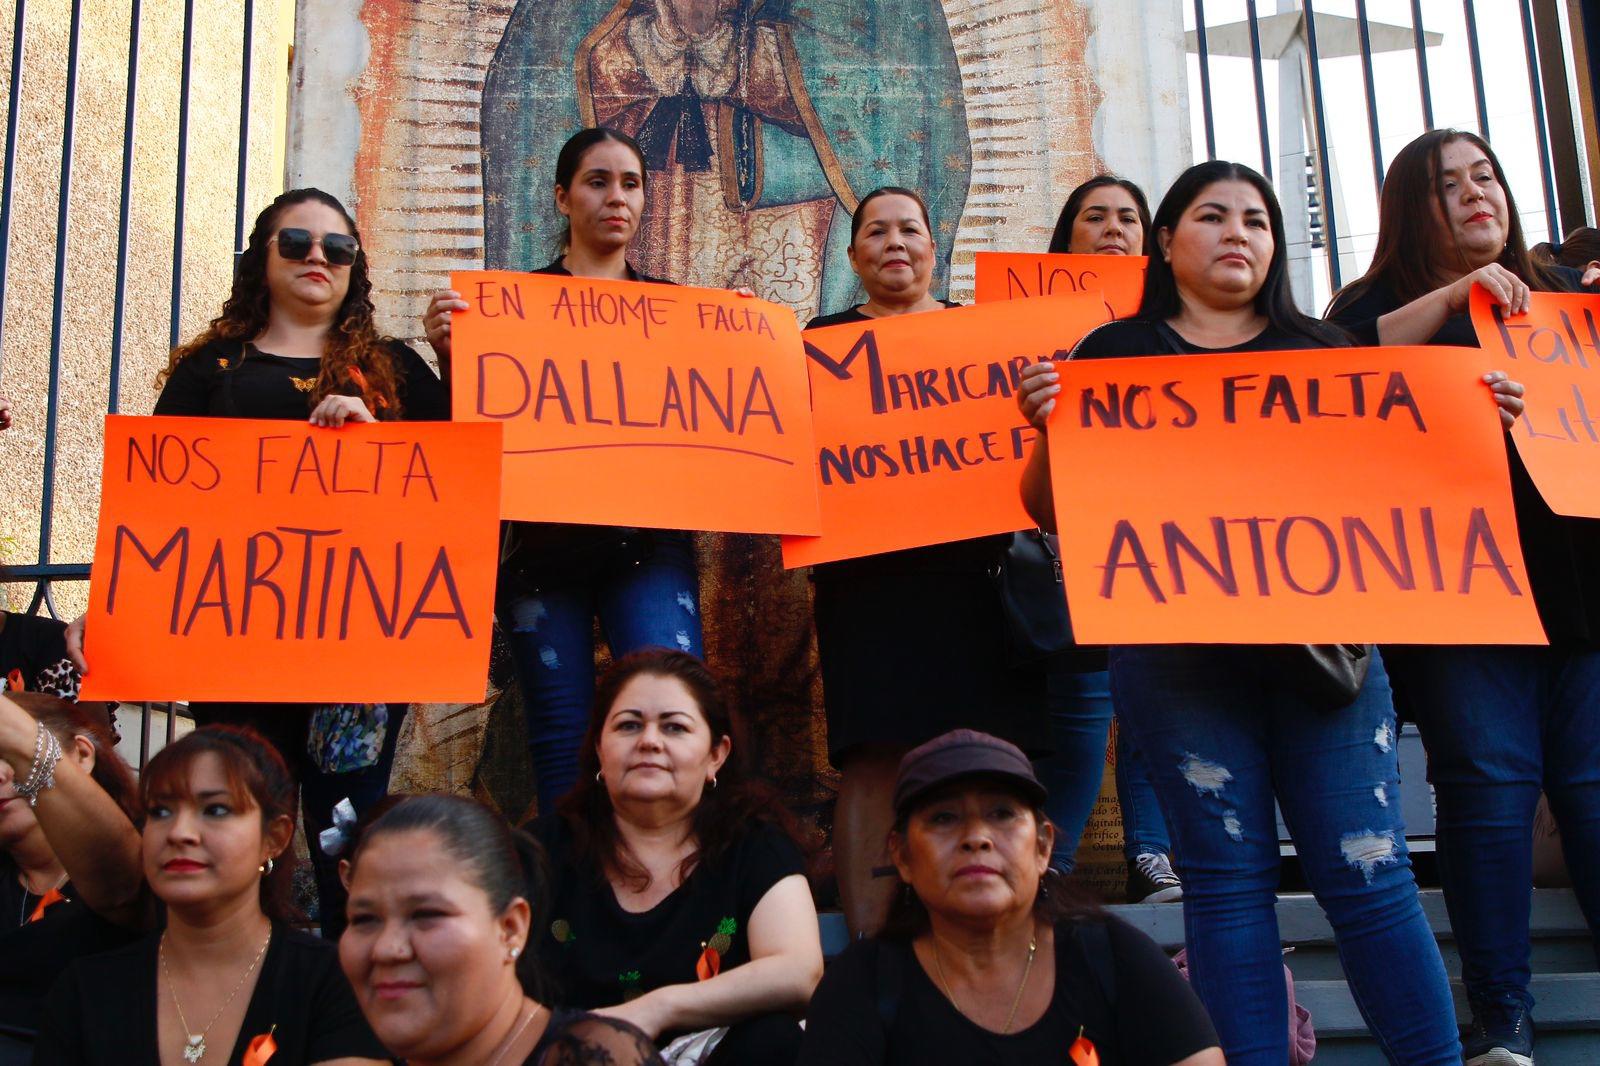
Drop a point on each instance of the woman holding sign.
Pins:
(555, 580)
(1499, 723)
(1106, 215)
(1229, 729)
(912, 642)
(296, 339)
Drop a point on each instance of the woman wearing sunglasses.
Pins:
(296, 340)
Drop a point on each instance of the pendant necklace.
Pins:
(195, 1048)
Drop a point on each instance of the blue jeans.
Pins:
(1499, 725)
(1080, 714)
(1223, 736)
(654, 602)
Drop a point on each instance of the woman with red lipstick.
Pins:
(1500, 724)
(296, 340)
(1228, 730)
(911, 642)
(228, 980)
(643, 585)
(986, 956)
(443, 900)
(53, 876)
(679, 901)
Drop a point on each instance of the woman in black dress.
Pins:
(912, 642)
(228, 974)
(443, 900)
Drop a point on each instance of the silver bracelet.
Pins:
(42, 775)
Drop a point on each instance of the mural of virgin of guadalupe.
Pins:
(763, 122)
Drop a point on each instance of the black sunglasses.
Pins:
(338, 248)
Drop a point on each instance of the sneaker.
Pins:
(1501, 1035)
(1151, 880)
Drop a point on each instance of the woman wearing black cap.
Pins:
(985, 957)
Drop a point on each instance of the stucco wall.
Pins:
(95, 196)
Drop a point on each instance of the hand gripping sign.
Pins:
(635, 404)
(919, 440)
(272, 561)
(1554, 351)
(1019, 275)
(1347, 495)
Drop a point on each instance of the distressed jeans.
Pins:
(1223, 737)
(1079, 703)
(1499, 725)
(654, 602)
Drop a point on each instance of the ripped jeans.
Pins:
(1223, 737)
(651, 602)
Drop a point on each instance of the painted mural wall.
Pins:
(764, 122)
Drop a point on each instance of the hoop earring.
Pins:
(599, 775)
(266, 867)
(713, 782)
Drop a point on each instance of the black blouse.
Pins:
(1562, 553)
(232, 380)
(103, 1010)
(876, 1006)
(601, 955)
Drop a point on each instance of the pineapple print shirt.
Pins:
(600, 955)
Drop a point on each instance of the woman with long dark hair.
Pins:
(1106, 215)
(296, 340)
(679, 900)
(1500, 724)
(444, 899)
(986, 956)
(1229, 729)
(228, 972)
(556, 579)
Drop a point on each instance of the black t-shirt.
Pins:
(876, 1005)
(1139, 336)
(103, 1010)
(601, 955)
(36, 952)
(1562, 553)
(230, 380)
(33, 657)
(541, 554)
(980, 554)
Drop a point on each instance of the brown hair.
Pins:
(356, 360)
(887, 190)
(725, 813)
(256, 776)
(67, 720)
(1580, 248)
(1410, 244)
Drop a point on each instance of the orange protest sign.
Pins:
(1554, 350)
(633, 404)
(919, 440)
(1341, 496)
(271, 561)
(1018, 275)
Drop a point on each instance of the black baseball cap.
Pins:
(959, 754)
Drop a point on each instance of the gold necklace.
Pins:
(195, 1048)
(500, 1053)
(1011, 1017)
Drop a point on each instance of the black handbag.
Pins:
(1033, 596)
(1330, 676)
